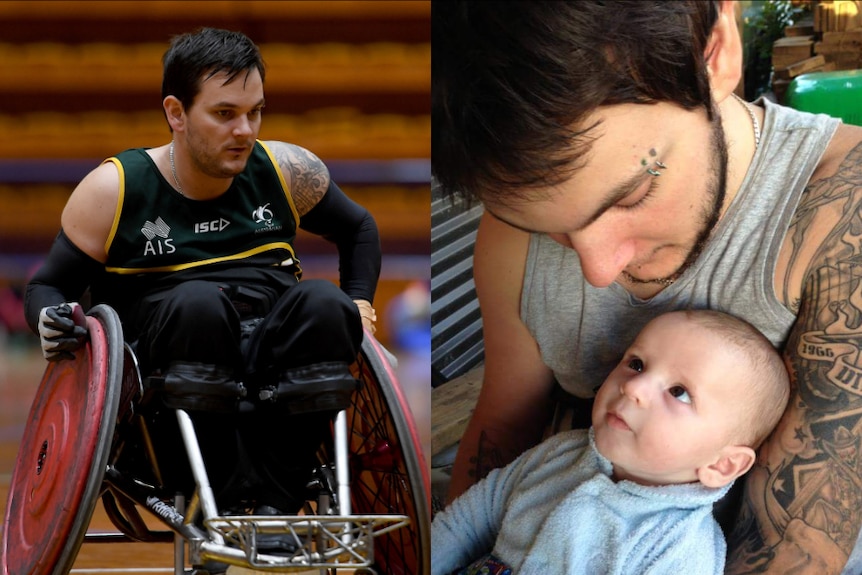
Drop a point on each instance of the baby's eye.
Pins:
(636, 364)
(680, 393)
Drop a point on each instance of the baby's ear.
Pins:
(734, 460)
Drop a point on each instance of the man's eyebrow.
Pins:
(615, 195)
(262, 102)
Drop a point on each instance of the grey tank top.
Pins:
(582, 331)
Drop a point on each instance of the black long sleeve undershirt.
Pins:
(353, 230)
(64, 277)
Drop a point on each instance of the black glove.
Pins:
(62, 329)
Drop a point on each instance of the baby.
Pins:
(673, 425)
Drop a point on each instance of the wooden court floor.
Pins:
(21, 368)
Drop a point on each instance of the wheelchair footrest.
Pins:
(318, 541)
(325, 386)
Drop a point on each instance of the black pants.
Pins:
(265, 456)
(312, 322)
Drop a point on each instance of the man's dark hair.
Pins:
(196, 56)
(512, 82)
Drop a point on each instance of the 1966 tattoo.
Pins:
(803, 504)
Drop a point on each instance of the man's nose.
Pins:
(603, 256)
(243, 126)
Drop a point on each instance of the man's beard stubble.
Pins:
(716, 189)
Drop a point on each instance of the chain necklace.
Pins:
(661, 281)
(174, 170)
(754, 123)
(666, 281)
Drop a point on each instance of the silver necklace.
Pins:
(666, 281)
(174, 170)
(661, 281)
(755, 124)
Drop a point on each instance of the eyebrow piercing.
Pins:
(653, 171)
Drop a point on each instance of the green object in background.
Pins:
(838, 94)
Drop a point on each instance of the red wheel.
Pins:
(387, 468)
(63, 454)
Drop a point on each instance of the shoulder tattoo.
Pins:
(838, 192)
(307, 175)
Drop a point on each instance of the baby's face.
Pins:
(669, 406)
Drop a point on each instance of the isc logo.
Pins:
(213, 226)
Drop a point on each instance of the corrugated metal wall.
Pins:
(456, 325)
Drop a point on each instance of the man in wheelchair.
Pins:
(191, 243)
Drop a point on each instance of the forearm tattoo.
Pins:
(307, 175)
(803, 503)
(488, 457)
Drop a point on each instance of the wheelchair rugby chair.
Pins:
(89, 437)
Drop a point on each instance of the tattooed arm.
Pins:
(306, 175)
(513, 405)
(802, 508)
(326, 211)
